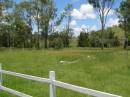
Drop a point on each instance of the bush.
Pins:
(58, 43)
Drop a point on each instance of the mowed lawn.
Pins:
(107, 70)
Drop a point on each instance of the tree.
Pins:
(46, 15)
(83, 39)
(25, 12)
(22, 32)
(65, 36)
(124, 16)
(17, 25)
(36, 8)
(5, 8)
(102, 7)
(68, 10)
(94, 39)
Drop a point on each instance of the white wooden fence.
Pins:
(53, 84)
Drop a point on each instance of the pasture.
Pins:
(107, 70)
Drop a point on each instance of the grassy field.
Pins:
(106, 70)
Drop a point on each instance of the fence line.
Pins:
(53, 84)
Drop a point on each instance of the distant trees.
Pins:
(93, 39)
(59, 40)
(18, 20)
(102, 7)
(33, 23)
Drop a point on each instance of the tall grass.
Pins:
(105, 70)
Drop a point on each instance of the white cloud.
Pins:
(112, 22)
(58, 28)
(77, 30)
(84, 27)
(73, 23)
(94, 28)
(76, 14)
(86, 11)
(89, 28)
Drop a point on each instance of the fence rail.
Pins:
(14, 92)
(53, 84)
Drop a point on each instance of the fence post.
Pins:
(0, 74)
(52, 87)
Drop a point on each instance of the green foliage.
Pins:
(58, 43)
(59, 40)
(83, 39)
(55, 41)
(124, 15)
(65, 36)
(93, 39)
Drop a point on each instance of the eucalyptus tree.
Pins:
(68, 31)
(124, 16)
(25, 12)
(5, 8)
(47, 12)
(36, 10)
(68, 10)
(103, 8)
(25, 9)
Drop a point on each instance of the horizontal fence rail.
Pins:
(54, 83)
(29, 77)
(14, 92)
(83, 90)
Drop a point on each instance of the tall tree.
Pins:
(37, 17)
(102, 7)
(47, 14)
(5, 8)
(68, 10)
(25, 12)
(124, 16)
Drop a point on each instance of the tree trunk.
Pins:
(125, 42)
(102, 33)
(46, 36)
(38, 38)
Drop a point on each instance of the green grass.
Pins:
(105, 70)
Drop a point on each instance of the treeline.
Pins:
(93, 39)
(32, 23)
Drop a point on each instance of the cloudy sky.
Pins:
(84, 16)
